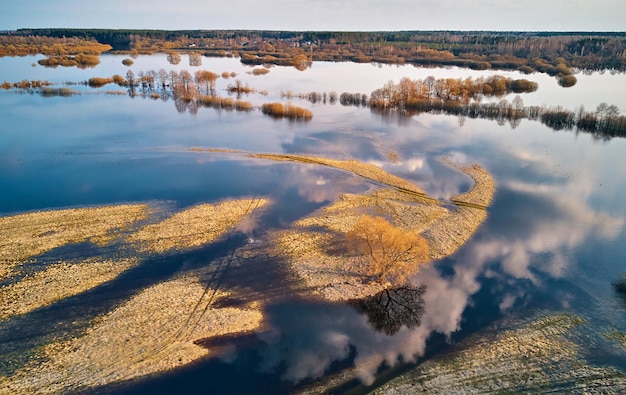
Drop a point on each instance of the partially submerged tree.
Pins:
(394, 253)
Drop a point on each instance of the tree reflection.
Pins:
(392, 308)
(620, 287)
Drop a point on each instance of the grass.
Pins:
(28, 235)
(195, 226)
(152, 332)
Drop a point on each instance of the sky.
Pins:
(338, 15)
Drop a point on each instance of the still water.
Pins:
(554, 239)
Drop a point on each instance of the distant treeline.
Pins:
(554, 53)
(463, 97)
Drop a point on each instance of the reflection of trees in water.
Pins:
(393, 308)
(620, 287)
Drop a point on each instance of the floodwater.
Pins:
(554, 239)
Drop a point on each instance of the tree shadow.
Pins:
(393, 308)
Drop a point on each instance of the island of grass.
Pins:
(338, 251)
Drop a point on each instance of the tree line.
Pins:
(463, 97)
(554, 53)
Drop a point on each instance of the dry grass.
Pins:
(484, 186)
(152, 332)
(58, 281)
(195, 226)
(451, 231)
(28, 235)
(539, 357)
(328, 276)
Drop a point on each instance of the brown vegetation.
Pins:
(567, 80)
(394, 253)
(228, 74)
(50, 46)
(25, 84)
(154, 331)
(280, 110)
(80, 60)
(195, 226)
(552, 53)
(316, 247)
(57, 281)
(365, 170)
(97, 82)
(28, 235)
(127, 62)
(174, 58)
(240, 88)
(259, 71)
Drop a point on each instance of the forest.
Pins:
(558, 54)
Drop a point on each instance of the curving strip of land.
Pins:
(314, 246)
(365, 170)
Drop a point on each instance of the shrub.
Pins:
(97, 82)
(118, 79)
(173, 58)
(279, 110)
(87, 60)
(260, 71)
(127, 62)
(567, 81)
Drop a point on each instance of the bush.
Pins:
(127, 62)
(567, 81)
(121, 81)
(260, 71)
(279, 110)
(97, 82)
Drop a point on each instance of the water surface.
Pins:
(553, 241)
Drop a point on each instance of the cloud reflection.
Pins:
(531, 237)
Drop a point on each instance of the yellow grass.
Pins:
(58, 281)
(152, 332)
(28, 235)
(195, 226)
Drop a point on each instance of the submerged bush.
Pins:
(290, 111)
(97, 82)
(567, 80)
(260, 71)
